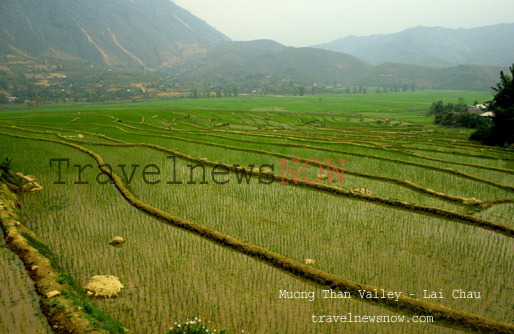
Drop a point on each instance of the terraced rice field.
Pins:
(19, 303)
(416, 209)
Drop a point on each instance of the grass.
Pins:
(402, 106)
(74, 292)
(171, 275)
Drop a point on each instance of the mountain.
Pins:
(437, 47)
(134, 38)
(235, 61)
(461, 77)
(147, 33)
(268, 62)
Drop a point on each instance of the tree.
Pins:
(456, 115)
(460, 106)
(3, 99)
(436, 108)
(504, 97)
(502, 105)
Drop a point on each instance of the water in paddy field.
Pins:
(19, 303)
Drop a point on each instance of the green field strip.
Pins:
(367, 133)
(397, 181)
(73, 131)
(464, 143)
(374, 145)
(401, 205)
(404, 162)
(400, 182)
(362, 132)
(442, 315)
(463, 174)
(433, 150)
(496, 169)
(404, 183)
(384, 139)
(377, 146)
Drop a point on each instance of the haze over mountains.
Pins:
(158, 35)
(439, 47)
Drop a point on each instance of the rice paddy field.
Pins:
(412, 209)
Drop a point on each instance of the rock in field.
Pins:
(364, 191)
(106, 286)
(29, 184)
(117, 242)
(52, 294)
(309, 262)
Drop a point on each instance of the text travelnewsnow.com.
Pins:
(351, 318)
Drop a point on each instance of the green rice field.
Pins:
(222, 201)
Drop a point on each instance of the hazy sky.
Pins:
(308, 22)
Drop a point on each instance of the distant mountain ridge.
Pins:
(113, 32)
(238, 60)
(268, 61)
(157, 35)
(436, 46)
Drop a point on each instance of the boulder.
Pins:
(29, 178)
(52, 294)
(105, 286)
(363, 191)
(117, 242)
(309, 262)
(36, 187)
